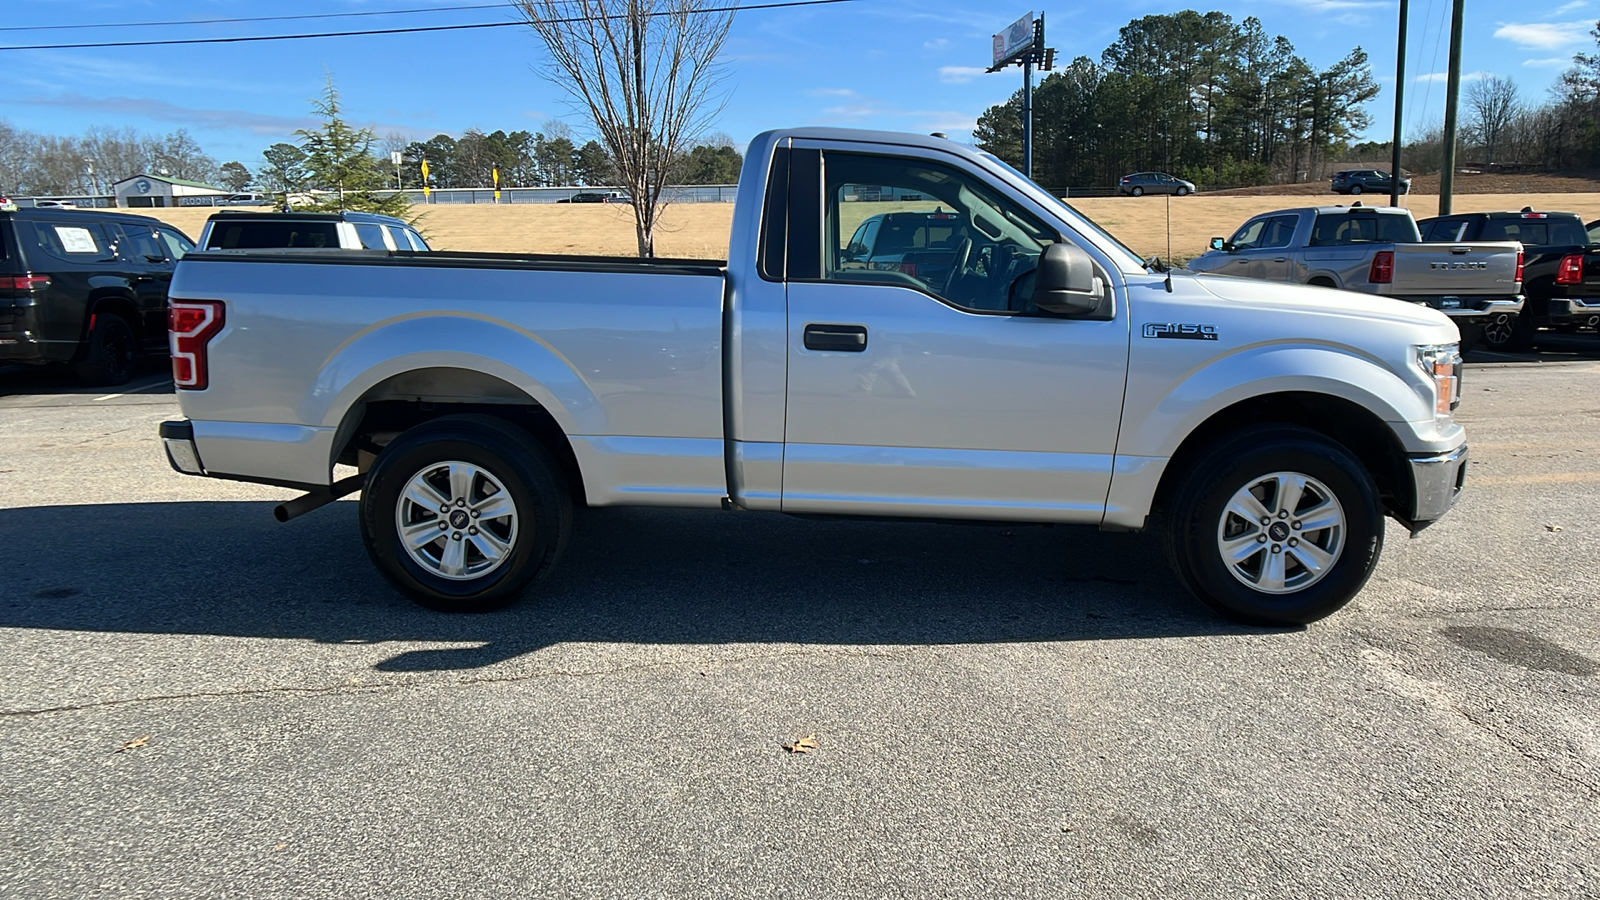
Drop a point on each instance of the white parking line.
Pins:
(138, 390)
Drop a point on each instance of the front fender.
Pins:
(453, 341)
(1157, 417)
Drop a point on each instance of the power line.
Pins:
(329, 34)
(347, 15)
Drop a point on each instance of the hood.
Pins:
(1281, 295)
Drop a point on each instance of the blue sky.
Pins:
(912, 65)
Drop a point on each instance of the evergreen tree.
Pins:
(339, 162)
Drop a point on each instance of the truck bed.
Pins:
(626, 352)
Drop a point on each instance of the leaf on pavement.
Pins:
(804, 745)
(136, 742)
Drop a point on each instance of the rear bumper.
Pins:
(25, 347)
(1436, 480)
(1471, 309)
(177, 438)
(1573, 312)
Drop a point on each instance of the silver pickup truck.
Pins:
(1030, 369)
(1377, 250)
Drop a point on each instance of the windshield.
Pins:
(1075, 217)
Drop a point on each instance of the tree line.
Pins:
(1194, 94)
(88, 165)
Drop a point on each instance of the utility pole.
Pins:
(1027, 113)
(1399, 106)
(1447, 177)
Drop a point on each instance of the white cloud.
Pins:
(1565, 8)
(959, 74)
(1553, 62)
(1544, 35)
(831, 92)
(936, 44)
(1442, 77)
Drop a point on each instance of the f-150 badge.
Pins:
(1184, 331)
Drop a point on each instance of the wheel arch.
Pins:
(1367, 436)
(113, 301)
(407, 399)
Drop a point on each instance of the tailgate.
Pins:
(1457, 270)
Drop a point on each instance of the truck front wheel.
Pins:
(463, 513)
(1275, 526)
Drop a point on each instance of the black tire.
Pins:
(1196, 523)
(1355, 188)
(1471, 336)
(542, 518)
(107, 356)
(1137, 192)
(1182, 191)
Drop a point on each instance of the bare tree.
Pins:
(1493, 101)
(645, 71)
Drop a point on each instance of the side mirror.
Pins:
(1064, 281)
(1218, 244)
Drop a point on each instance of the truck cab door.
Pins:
(940, 391)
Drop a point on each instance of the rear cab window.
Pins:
(1339, 229)
(260, 235)
(1537, 230)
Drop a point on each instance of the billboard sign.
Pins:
(1017, 37)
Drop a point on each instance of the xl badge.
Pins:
(1184, 331)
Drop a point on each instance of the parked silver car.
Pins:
(1140, 183)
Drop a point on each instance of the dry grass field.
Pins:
(700, 230)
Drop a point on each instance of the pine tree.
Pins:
(339, 162)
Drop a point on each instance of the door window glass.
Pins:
(417, 243)
(1249, 237)
(139, 245)
(931, 228)
(1279, 231)
(78, 242)
(177, 244)
(371, 236)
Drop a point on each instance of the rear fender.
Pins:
(512, 355)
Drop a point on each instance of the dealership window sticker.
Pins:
(75, 239)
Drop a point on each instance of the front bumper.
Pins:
(1436, 481)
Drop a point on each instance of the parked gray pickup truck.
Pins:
(1040, 372)
(1377, 250)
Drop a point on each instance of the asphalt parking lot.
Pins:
(1000, 711)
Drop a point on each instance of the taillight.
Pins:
(1519, 267)
(191, 324)
(1382, 271)
(1571, 269)
(909, 268)
(25, 282)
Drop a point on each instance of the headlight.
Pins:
(1441, 363)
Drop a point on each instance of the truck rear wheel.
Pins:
(1275, 526)
(463, 513)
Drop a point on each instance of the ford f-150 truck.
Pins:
(1046, 375)
(1377, 250)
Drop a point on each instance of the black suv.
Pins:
(84, 287)
(1368, 181)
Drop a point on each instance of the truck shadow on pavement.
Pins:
(630, 576)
